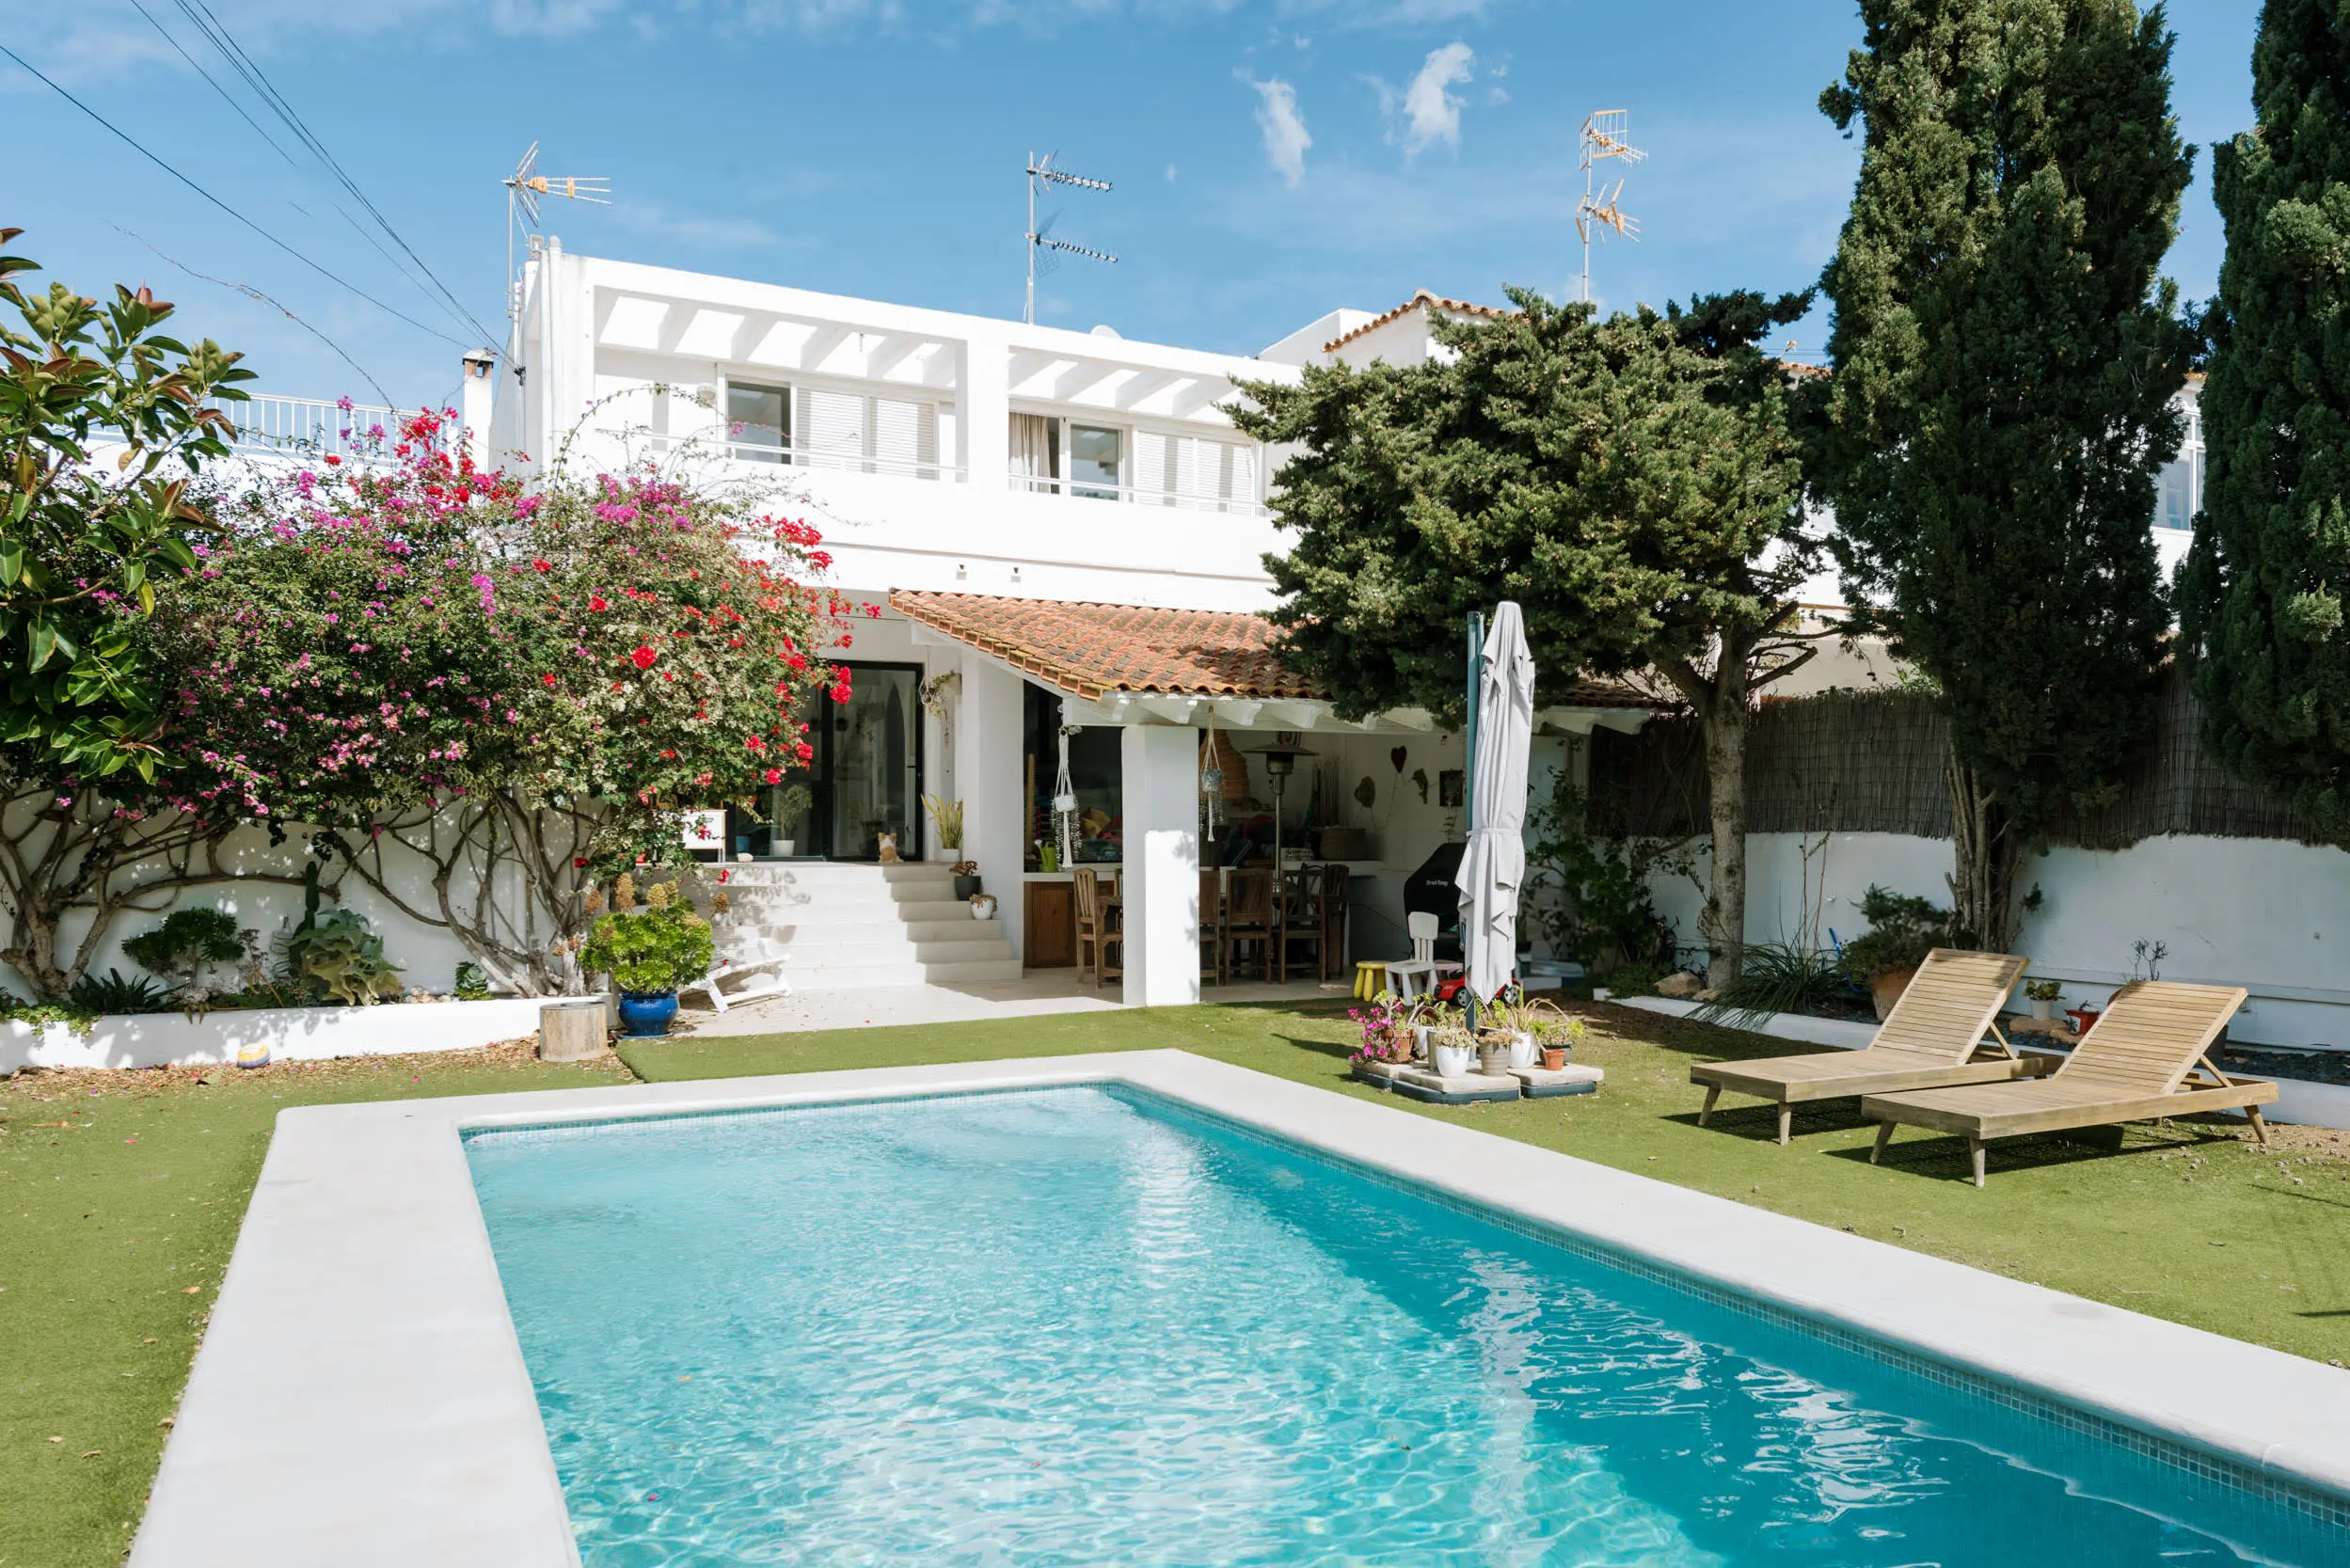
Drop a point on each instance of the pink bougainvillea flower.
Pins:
(644, 656)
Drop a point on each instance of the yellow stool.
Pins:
(1370, 978)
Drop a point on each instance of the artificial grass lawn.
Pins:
(114, 1231)
(2182, 1222)
(114, 1227)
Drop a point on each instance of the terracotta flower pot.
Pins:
(1553, 1057)
(1885, 989)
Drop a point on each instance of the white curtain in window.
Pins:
(1032, 451)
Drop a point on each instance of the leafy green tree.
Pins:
(2262, 599)
(2005, 358)
(82, 537)
(1632, 482)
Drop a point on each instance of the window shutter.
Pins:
(905, 435)
(835, 425)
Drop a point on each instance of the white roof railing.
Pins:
(362, 431)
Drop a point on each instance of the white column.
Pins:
(1161, 788)
(983, 415)
(988, 768)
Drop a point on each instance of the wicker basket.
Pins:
(1221, 751)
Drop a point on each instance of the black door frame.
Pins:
(820, 767)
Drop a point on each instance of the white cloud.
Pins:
(1434, 114)
(1285, 138)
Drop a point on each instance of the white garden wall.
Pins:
(292, 1034)
(2266, 914)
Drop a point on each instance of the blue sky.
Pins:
(1271, 161)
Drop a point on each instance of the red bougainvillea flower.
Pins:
(597, 601)
(773, 775)
(547, 680)
(644, 656)
(578, 862)
(756, 742)
(541, 566)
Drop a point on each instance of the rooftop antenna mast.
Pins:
(1041, 172)
(524, 186)
(1605, 135)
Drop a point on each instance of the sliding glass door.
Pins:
(866, 779)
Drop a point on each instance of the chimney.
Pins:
(480, 367)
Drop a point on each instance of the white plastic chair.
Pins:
(1408, 977)
(768, 961)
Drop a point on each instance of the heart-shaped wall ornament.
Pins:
(1397, 756)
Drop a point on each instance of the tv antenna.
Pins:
(1604, 136)
(524, 186)
(1041, 172)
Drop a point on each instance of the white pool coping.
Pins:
(360, 1397)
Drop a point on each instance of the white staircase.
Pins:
(849, 926)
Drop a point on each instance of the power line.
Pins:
(134, 146)
(229, 98)
(218, 32)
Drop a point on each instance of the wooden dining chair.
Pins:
(1097, 931)
(1249, 917)
(1212, 925)
(1301, 922)
(1333, 912)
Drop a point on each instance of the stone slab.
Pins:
(1574, 1078)
(1467, 1089)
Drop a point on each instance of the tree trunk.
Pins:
(1985, 853)
(1723, 924)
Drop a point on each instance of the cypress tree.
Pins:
(2262, 598)
(2004, 358)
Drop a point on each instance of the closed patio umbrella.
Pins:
(1493, 868)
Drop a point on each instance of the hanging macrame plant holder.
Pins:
(1065, 803)
(1210, 787)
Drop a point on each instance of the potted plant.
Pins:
(983, 906)
(1387, 1039)
(1556, 1036)
(1453, 1051)
(1902, 930)
(966, 875)
(946, 818)
(790, 806)
(649, 953)
(2043, 995)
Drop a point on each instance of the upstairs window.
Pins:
(1094, 454)
(759, 422)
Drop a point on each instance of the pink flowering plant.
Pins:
(1386, 1026)
(468, 683)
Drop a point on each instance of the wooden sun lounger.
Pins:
(2146, 1057)
(1927, 1042)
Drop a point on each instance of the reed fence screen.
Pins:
(1873, 761)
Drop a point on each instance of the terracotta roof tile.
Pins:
(1423, 297)
(1090, 650)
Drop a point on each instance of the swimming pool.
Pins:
(1086, 1324)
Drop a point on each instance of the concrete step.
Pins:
(878, 899)
(781, 918)
(867, 948)
(862, 976)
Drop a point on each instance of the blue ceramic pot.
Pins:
(646, 1015)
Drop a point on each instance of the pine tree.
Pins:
(2004, 359)
(2262, 595)
(1632, 482)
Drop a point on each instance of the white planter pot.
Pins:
(2043, 1007)
(782, 848)
(1454, 1061)
(983, 907)
(1522, 1053)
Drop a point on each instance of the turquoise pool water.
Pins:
(1081, 1325)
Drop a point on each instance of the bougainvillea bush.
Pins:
(492, 692)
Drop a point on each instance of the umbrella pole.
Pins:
(1469, 786)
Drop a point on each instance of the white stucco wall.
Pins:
(2266, 914)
